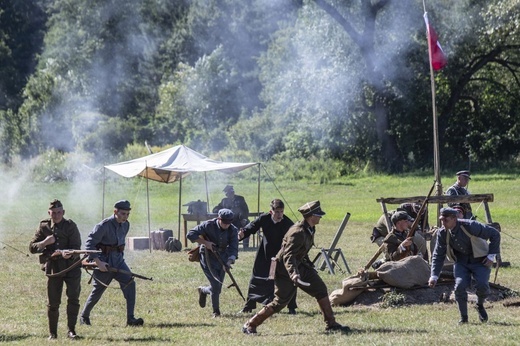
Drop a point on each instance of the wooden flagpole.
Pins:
(436, 155)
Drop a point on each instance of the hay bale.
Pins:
(406, 273)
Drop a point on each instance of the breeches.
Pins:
(463, 273)
(284, 289)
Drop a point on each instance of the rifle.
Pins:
(226, 268)
(91, 265)
(410, 234)
(419, 213)
(73, 252)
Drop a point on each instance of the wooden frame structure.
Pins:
(479, 198)
(328, 258)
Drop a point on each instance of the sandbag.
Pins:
(405, 273)
(345, 295)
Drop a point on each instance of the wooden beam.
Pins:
(438, 199)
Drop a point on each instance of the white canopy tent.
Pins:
(174, 164)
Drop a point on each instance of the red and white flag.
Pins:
(437, 57)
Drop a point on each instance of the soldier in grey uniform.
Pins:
(109, 236)
(295, 270)
(58, 233)
(453, 241)
(460, 188)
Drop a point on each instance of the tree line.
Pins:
(291, 79)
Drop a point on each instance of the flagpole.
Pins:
(436, 155)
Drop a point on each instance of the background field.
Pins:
(168, 304)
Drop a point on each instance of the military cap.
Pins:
(464, 174)
(458, 207)
(226, 215)
(448, 212)
(311, 208)
(122, 204)
(400, 215)
(228, 188)
(55, 204)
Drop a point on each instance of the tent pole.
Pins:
(148, 207)
(207, 193)
(103, 200)
(179, 222)
(258, 206)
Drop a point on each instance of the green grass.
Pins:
(168, 304)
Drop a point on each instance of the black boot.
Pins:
(482, 314)
(202, 297)
(463, 319)
(53, 314)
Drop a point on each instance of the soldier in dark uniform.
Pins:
(294, 269)
(452, 241)
(237, 204)
(274, 226)
(109, 236)
(58, 233)
(398, 245)
(460, 188)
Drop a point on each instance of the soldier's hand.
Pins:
(47, 241)
(432, 282)
(241, 234)
(295, 278)
(229, 263)
(210, 245)
(487, 262)
(102, 266)
(407, 242)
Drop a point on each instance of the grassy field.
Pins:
(168, 304)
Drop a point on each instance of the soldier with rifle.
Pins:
(294, 269)
(218, 240)
(400, 243)
(53, 235)
(109, 237)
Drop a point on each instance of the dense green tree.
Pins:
(320, 79)
(100, 57)
(22, 27)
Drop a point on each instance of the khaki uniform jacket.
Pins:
(296, 245)
(67, 238)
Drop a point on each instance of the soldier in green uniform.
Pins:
(295, 270)
(58, 233)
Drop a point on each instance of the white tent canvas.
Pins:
(173, 165)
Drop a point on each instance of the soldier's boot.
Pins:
(328, 317)
(250, 326)
(72, 317)
(53, 315)
(462, 304)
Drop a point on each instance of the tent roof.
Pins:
(171, 164)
